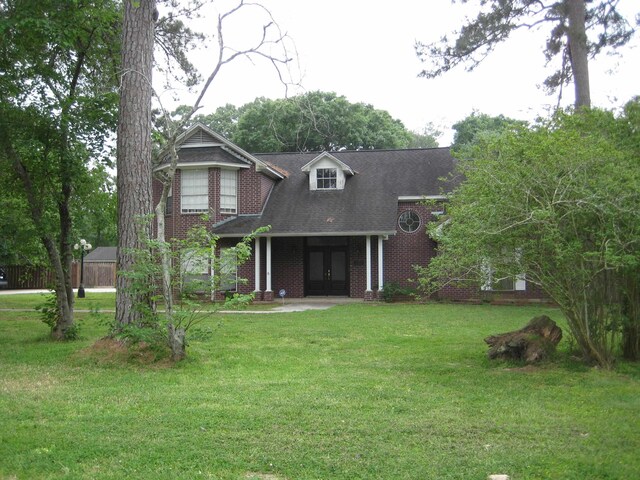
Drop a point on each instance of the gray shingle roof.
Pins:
(208, 154)
(101, 254)
(368, 203)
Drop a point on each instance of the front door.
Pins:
(327, 270)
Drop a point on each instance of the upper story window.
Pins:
(228, 191)
(326, 172)
(194, 191)
(327, 178)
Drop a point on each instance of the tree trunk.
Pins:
(134, 147)
(165, 257)
(177, 343)
(63, 287)
(532, 343)
(578, 52)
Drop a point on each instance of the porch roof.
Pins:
(367, 205)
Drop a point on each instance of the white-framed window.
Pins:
(194, 191)
(194, 270)
(495, 280)
(228, 191)
(228, 269)
(327, 178)
(409, 221)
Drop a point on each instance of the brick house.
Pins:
(342, 223)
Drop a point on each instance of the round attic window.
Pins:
(409, 221)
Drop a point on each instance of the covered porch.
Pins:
(317, 266)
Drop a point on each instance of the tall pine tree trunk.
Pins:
(134, 146)
(578, 53)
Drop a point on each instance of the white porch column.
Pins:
(268, 286)
(256, 259)
(380, 264)
(368, 263)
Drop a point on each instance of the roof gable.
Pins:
(198, 136)
(324, 157)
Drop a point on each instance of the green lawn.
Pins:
(358, 391)
(99, 301)
(102, 301)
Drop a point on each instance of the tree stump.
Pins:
(532, 343)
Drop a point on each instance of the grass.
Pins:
(92, 301)
(354, 392)
(98, 301)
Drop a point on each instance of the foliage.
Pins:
(197, 252)
(561, 203)
(357, 391)
(392, 290)
(49, 312)
(601, 28)
(58, 104)
(469, 129)
(426, 138)
(50, 316)
(315, 121)
(96, 207)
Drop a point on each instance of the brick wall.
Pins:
(287, 262)
(404, 250)
(401, 251)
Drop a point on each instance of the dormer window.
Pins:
(326, 172)
(327, 178)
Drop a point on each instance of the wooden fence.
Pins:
(96, 274)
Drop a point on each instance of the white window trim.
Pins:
(519, 280)
(233, 272)
(185, 191)
(225, 205)
(322, 179)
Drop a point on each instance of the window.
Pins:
(228, 191)
(194, 269)
(168, 209)
(194, 191)
(501, 281)
(228, 269)
(409, 221)
(326, 178)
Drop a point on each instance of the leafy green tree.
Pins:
(427, 138)
(149, 271)
(316, 121)
(468, 130)
(312, 122)
(559, 202)
(578, 30)
(58, 102)
(96, 207)
(223, 121)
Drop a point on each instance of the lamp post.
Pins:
(84, 247)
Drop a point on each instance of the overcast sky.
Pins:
(364, 50)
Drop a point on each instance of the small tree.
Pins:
(561, 203)
(136, 156)
(182, 309)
